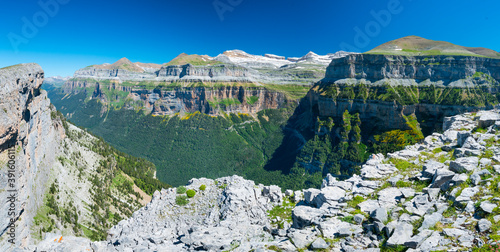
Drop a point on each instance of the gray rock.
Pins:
(430, 168)
(470, 143)
(394, 180)
(483, 225)
(487, 206)
(320, 244)
(462, 136)
(389, 197)
(487, 119)
(442, 177)
(328, 195)
(432, 192)
(407, 192)
(379, 214)
(378, 226)
(310, 194)
(359, 218)
(464, 164)
(430, 220)
(466, 194)
(303, 216)
(368, 206)
(402, 234)
(302, 238)
(298, 196)
(273, 193)
(329, 180)
(431, 242)
(416, 240)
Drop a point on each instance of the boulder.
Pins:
(466, 194)
(441, 177)
(402, 234)
(368, 206)
(359, 218)
(310, 194)
(273, 193)
(430, 220)
(320, 243)
(462, 136)
(303, 216)
(379, 214)
(464, 164)
(483, 225)
(416, 240)
(487, 118)
(331, 195)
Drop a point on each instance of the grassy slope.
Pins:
(197, 60)
(417, 46)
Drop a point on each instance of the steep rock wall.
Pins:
(26, 125)
(443, 68)
(214, 101)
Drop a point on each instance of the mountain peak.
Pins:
(122, 61)
(193, 59)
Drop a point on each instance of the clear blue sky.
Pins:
(84, 32)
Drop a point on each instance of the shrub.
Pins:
(181, 200)
(181, 190)
(203, 187)
(190, 193)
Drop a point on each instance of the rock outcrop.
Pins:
(39, 151)
(28, 139)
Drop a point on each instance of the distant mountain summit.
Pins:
(415, 46)
(126, 64)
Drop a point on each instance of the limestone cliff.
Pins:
(446, 69)
(28, 130)
(53, 174)
(385, 88)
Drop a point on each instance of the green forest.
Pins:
(266, 149)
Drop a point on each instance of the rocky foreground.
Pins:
(439, 195)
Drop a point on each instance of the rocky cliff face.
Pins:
(440, 194)
(28, 140)
(385, 115)
(221, 73)
(448, 69)
(385, 88)
(39, 151)
(213, 101)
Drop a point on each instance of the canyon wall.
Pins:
(29, 139)
(444, 68)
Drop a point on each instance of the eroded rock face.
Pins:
(442, 68)
(20, 84)
(26, 125)
(210, 101)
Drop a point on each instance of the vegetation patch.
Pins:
(181, 200)
(190, 193)
(281, 213)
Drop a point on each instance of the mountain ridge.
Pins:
(418, 46)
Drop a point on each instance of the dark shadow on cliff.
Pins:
(297, 131)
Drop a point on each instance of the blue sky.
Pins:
(71, 34)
